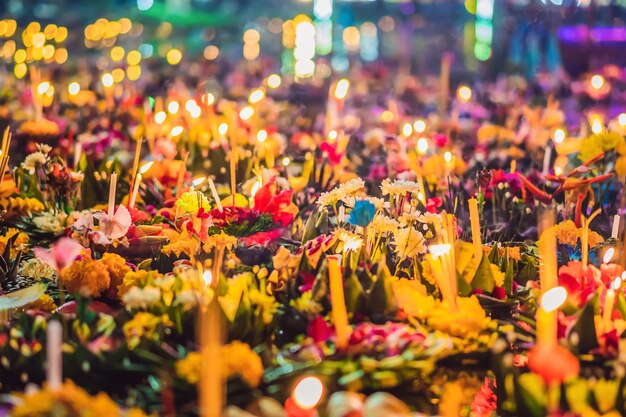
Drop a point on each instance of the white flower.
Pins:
(409, 242)
(351, 241)
(34, 268)
(43, 148)
(188, 298)
(346, 189)
(50, 222)
(399, 187)
(379, 203)
(141, 297)
(32, 161)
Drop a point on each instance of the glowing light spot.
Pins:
(107, 79)
(553, 299)
(597, 81)
(621, 119)
(439, 250)
(73, 88)
(246, 113)
(608, 255)
(419, 126)
(222, 129)
(174, 56)
(43, 87)
(464, 93)
(172, 107)
(422, 146)
(559, 135)
(159, 118)
(274, 81)
(256, 96)
(308, 392)
(176, 131)
(407, 129)
(447, 156)
(146, 167)
(261, 136)
(341, 90)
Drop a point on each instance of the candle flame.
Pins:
(419, 126)
(222, 129)
(176, 130)
(621, 119)
(553, 299)
(608, 255)
(464, 93)
(422, 145)
(246, 113)
(261, 136)
(559, 135)
(617, 282)
(308, 392)
(159, 118)
(439, 250)
(43, 87)
(146, 167)
(256, 96)
(447, 156)
(198, 181)
(407, 129)
(207, 277)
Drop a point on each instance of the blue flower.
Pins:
(362, 213)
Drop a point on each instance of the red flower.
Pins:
(330, 151)
(485, 402)
(138, 216)
(432, 204)
(263, 238)
(580, 285)
(319, 330)
(268, 200)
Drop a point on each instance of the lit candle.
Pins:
(547, 319)
(112, 187)
(216, 197)
(136, 163)
(340, 312)
(547, 254)
(615, 230)
(475, 226)
(142, 171)
(54, 355)
(609, 303)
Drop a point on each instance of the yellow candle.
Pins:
(211, 384)
(340, 312)
(547, 319)
(112, 189)
(547, 251)
(475, 226)
(607, 313)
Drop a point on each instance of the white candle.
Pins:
(216, 197)
(112, 187)
(78, 149)
(615, 226)
(546, 159)
(133, 196)
(54, 341)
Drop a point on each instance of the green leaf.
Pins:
(586, 328)
(22, 297)
(531, 395)
(354, 293)
(381, 300)
(310, 231)
(483, 279)
(463, 252)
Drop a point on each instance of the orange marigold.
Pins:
(116, 265)
(86, 277)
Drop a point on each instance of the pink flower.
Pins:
(117, 226)
(61, 254)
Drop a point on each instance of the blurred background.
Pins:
(484, 38)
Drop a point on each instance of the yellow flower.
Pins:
(411, 297)
(498, 275)
(239, 359)
(86, 277)
(568, 234)
(189, 203)
(188, 368)
(221, 240)
(132, 279)
(116, 265)
(44, 303)
(427, 273)
(144, 326)
(182, 243)
(20, 241)
(468, 320)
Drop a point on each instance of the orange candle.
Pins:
(340, 312)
